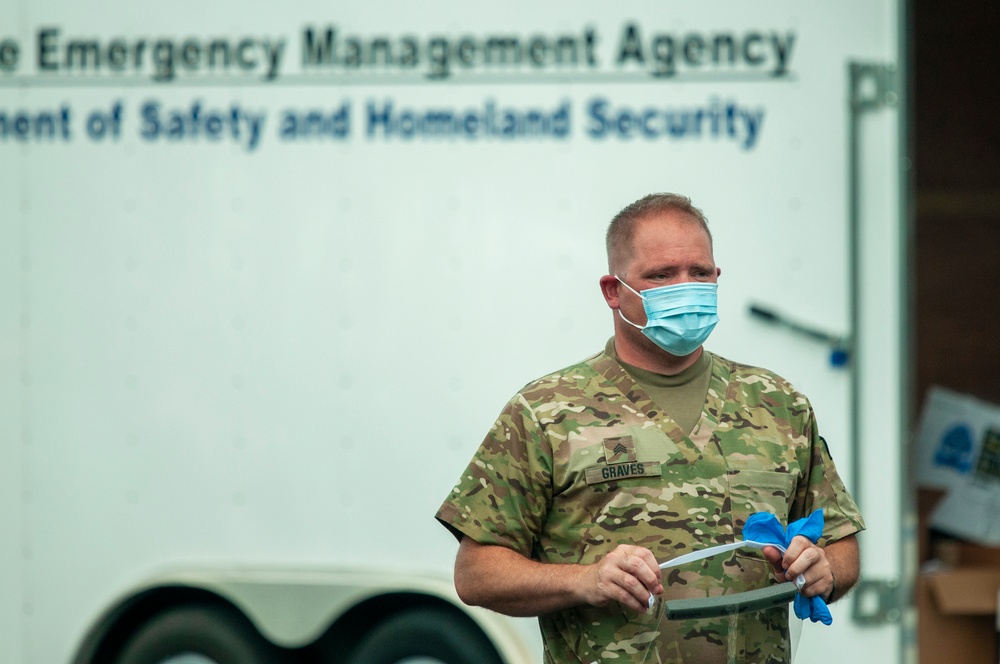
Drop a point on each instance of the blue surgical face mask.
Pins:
(679, 317)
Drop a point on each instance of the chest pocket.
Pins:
(753, 491)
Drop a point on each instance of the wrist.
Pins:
(583, 585)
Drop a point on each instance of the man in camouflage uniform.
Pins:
(593, 474)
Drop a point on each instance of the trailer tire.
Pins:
(426, 635)
(218, 634)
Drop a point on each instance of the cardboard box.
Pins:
(958, 615)
(956, 553)
(927, 500)
(957, 607)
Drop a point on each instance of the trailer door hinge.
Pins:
(876, 602)
(873, 86)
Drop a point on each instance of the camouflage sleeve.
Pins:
(822, 488)
(503, 497)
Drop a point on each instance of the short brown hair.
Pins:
(621, 230)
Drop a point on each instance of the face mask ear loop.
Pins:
(622, 316)
(638, 327)
(630, 288)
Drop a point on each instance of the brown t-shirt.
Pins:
(681, 396)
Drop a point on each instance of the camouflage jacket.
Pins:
(582, 460)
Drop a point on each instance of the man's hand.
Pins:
(628, 575)
(503, 580)
(829, 573)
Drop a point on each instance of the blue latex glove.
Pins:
(764, 527)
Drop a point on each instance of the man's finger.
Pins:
(804, 561)
(773, 556)
(636, 594)
(640, 563)
(795, 549)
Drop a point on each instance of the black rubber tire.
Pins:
(437, 634)
(218, 633)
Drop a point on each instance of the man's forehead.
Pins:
(668, 221)
(669, 217)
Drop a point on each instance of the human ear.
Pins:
(609, 289)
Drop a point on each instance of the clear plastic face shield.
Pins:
(701, 629)
(666, 625)
(749, 626)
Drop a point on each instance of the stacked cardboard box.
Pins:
(959, 508)
(957, 604)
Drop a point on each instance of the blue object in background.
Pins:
(955, 449)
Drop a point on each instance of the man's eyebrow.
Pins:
(673, 267)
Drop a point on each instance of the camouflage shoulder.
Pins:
(765, 379)
(576, 375)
